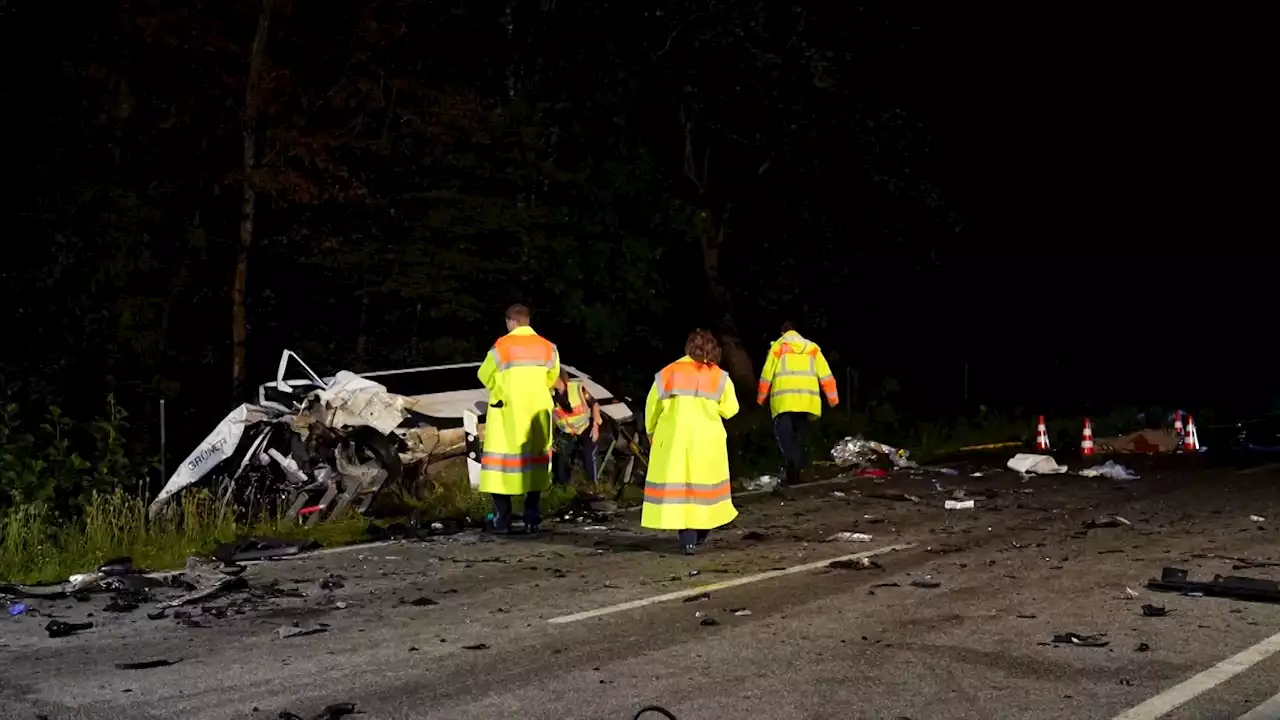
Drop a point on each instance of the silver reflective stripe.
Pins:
(714, 396)
(813, 367)
(722, 490)
(814, 393)
(825, 378)
(526, 363)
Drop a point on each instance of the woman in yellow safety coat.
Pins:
(687, 486)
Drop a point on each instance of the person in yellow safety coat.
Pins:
(794, 378)
(575, 411)
(687, 485)
(518, 372)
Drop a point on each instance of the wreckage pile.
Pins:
(310, 449)
(128, 588)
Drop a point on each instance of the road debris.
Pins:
(60, 629)
(863, 563)
(294, 630)
(1110, 470)
(1080, 640)
(1232, 586)
(477, 646)
(926, 582)
(330, 712)
(959, 505)
(422, 602)
(849, 537)
(708, 621)
(1257, 519)
(146, 664)
(1032, 464)
(17, 609)
(855, 450)
(1106, 521)
(897, 496)
(764, 483)
(740, 612)
(1154, 611)
(698, 598)
(1129, 594)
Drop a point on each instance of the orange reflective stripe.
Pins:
(513, 462)
(690, 379)
(524, 350)
(687, 493)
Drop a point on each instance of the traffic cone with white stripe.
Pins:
(1191, 440)
(1177, 423)
(1042, 435)
(1086, 439)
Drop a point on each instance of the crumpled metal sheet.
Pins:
(858, 451)
(354, 401)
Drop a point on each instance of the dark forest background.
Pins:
(1045, 214)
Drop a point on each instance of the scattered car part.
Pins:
(1232, 586)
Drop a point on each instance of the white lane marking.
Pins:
(1201, 682)
(681, 594)
(1268, 710)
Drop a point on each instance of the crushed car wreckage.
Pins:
(311, 448)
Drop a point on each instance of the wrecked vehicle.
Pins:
(311, 447)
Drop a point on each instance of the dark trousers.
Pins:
(568, 446)
(788, 428)
(502, 510)
(693, 537)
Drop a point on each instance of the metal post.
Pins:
(163, 440)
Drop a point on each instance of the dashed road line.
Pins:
(691, 592)
(1185, 691)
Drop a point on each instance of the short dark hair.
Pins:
(787, 327)
(518, 313)
(702, 347)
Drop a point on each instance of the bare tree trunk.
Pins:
(239, 320)
(711, 232)
(734, 356)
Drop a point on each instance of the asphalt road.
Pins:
(817, 643)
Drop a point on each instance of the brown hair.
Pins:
(787, 327)
(702, 347)
(518, 313)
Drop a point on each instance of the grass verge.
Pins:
(35, 547)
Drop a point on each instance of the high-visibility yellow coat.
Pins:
(519, 372)
(793, 375)
(687, 485)
(575, 420)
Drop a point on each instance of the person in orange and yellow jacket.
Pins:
(794, 379)
(687, 485)
(577, 428)
(518, 372)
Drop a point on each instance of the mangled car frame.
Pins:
(311, 448)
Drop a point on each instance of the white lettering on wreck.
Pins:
(205, 454)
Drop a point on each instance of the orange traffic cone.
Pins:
(1177, 423)
(1042, 435)
(1086, 439)
(1191, 440)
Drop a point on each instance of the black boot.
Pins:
(793, 477)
